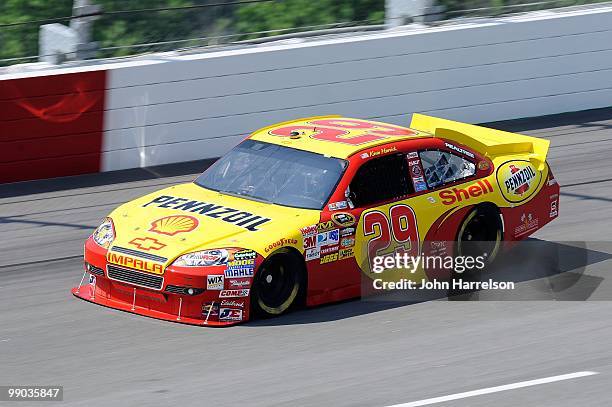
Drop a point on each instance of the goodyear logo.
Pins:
(243, 219)
(137, 264)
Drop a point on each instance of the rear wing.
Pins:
(490, 142)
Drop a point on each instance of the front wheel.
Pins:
(277, 285)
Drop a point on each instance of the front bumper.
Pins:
(205, 307)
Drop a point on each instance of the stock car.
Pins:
(295, 213)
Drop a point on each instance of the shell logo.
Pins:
(172, 225)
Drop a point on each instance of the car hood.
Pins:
(187, 217)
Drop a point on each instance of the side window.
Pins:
(442, 167)
(380, 179)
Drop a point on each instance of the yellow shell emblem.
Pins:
(171, 225)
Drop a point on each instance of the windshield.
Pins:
(275, 174)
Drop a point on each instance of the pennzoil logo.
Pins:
(518, 180)
(137, 264)
(174, 224)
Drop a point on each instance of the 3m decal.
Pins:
(147, 243)
(451, 196)
(214, 282)
(138, 264)
(518, 180)
(245, 220)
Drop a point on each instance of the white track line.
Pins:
(495, 389)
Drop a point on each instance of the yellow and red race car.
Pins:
(297, 211)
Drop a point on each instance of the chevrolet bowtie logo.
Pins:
(147, 243)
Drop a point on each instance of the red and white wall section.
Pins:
(170, 108)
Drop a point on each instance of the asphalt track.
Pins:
(354, 353)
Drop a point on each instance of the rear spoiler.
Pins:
(488, 141)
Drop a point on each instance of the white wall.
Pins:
(198, 106)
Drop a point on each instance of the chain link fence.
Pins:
(130, 27)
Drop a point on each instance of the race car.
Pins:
(297, 212)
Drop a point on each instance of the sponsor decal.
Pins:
(328, 238)
(210, 307)
(92, 279)
(347, 242)
(214, 282)
(528, 224)
(416, 171)
(459, 150)
(451, 196)
(364, 155)
(230, 314)
(336, 206)
(215, 257)
(147, 243)
(346, 253)
(240, 268)
(412, 154)
(313, 253)
(329, 258)
(384, 150)
(327, 225)
(328, 249)
(431, 199)
(518, 180)
(245, 220)
(233, 303)
(245, 255)
(310, 242)
(343, 219)
(138, 264)
(244, 292)
(280, 243)
(483, 165)
(308, 231)
(239, 283)
(438, 248)
(347, 231)
(553, 209)
(172, 225)
(420, 186)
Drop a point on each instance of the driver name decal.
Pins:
(246, 220)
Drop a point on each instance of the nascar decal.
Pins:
(343, 219)
(518, 180)
(129, 262)
(246, 220)
(175, 224)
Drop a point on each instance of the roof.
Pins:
(334, 136)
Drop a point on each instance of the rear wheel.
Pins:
(480, 235)
(278, 284)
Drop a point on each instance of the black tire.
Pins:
(480, 234)
(278, 285)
